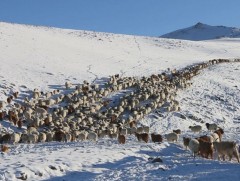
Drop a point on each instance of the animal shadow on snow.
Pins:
(74, 176)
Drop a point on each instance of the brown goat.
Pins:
(219, 132)
(132, 124)
(121, 139)
(4, 148)
(2, 115)
(19, 124)
(186, 141)
(205, 138)
(143, 136)
(156, 138)
(205, 149)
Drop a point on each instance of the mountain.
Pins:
(202, 31)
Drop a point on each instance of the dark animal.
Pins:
(156, 138)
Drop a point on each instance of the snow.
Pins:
(46, 57)
(202, 31)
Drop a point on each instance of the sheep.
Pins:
(219, 132)
(139, 130)
(112, 134)
(92, 136)
(24, 138)
(156, 138)
(42, 137)
(171, 137)
(40, 111)
(31, 129)
(68, 85)
(2, 104)
(196, 128)
(68, 137)
(81, 136)
(121, 139)
(133, 130)
(50, 136)
(177, 131)
(194, 146)
(215, 137)
(15, 138)
(186, 141)
(146, 129)
(211, 127)
(32, 138)
(123, 131)
(228, 148)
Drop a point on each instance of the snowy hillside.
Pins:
(45, 58)
(42, 57)
(202, 31)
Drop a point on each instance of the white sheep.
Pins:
(215, 137)
(15, 138)
(212, 127)
(92, 136)
(82, 136)
(68, 137)
(24, 138)
(196, 128)
(133, 130)
(32, 138)
(139, 130)
(2, 104)
(146, 129)
(194, 146)
(49, 136)
(68, 85)
(171, 137)
(30, 130)
(42, 137)
(40, 111)
(123, 131)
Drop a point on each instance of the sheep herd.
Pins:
(206, 144)
(94, 111)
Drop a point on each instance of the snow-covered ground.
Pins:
(45, 58)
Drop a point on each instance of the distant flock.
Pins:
(113, 109)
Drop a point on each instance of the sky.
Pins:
(135, 17)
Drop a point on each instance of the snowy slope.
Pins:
(42, 57)
(46, 57)
(202, 31)
(107, 160)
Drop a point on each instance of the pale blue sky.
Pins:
(139, 17)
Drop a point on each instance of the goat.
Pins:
(156, 138)
(228, 148)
